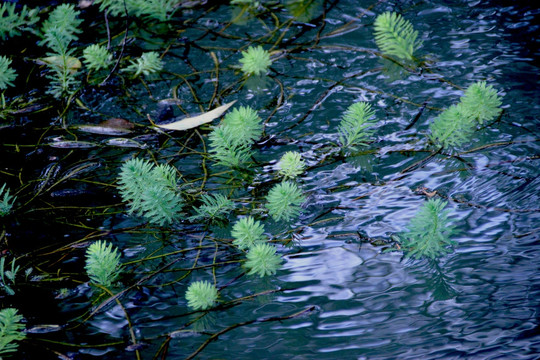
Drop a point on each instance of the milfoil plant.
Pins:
(429, 232)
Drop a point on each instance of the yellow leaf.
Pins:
(72, 63)
(191, 122)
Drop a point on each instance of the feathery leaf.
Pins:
(201, 295)
(452, 128)
(284, 200)
(102, 263)
(97, 57)
(247, 232)
(481, 102)
(214, 207)
(291, 165)
(352, 128)
(7, 74)
(12, 23)
(428, 233)
(151, 191)
(245, 123)
(455, 125)
(255, 61)
(11, 330)
(228, 149)
(147, 64)
(6, 201)
(395, 36)
(262, 260)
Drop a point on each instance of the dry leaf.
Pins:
(117, 123)
(113, 126)
(192, 122)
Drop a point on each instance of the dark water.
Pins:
(481, 301)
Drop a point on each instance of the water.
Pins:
(346, 297)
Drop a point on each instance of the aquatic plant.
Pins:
(7, 277)
(291, 165)
(284, 200)
(228, 149)
(12, 22)
(64, 23)
(102, 263)
(455, 125)
(147, 64)
(214, 207)
(428, 233)
(245, 123)
(97, 57)
(353, 126)
(255, 61)
(150, 191)
(304, 10)
(201, 295)
(11, 331)
(247, 232)
(262, 260)
(160, 10)
(7, 74)
(58, 31)
(6, 201)
(452, 127)
(396, 36)
(481, 102)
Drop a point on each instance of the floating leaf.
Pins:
(192, 122)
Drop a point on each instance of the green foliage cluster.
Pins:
(13, 22)
(231, 141)
(283, 201)
(6, 201)
(245, 123)
(214, 207)
(353, 128)
(151, 191)
(396, 36)
(262, 260)
(147, 64)
(201, 295)
(428, 233)
(7, 277)
(247, 232)
(11, 331)
(481, 102)
(255, 61)
(291, 165)
(102, 263)
(455, 125)
(97, 57)
(59, 30)
(7, 74)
